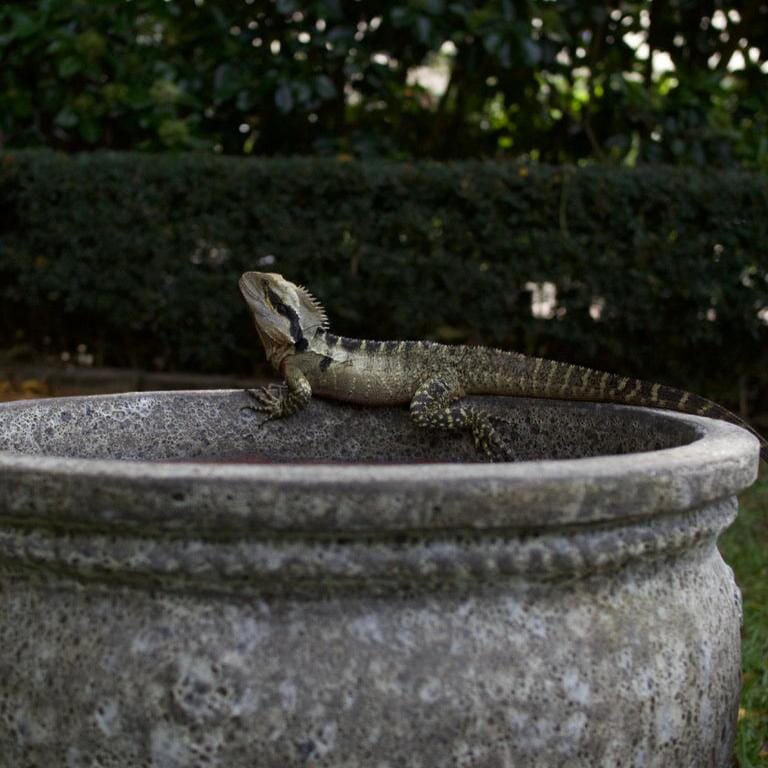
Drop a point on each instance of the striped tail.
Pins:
(561, 380)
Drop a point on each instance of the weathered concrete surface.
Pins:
(167, 613)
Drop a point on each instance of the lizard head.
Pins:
(286, 314)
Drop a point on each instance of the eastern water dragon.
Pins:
(433, 378)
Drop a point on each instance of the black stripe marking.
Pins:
(297, 334)
(325, 362)
(351, 345)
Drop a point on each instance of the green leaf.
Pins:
(423, 29)
(340, 33)
(66, 118)
(90, 130)
(400, 15)
(508, 10)
(324, 87)
(302, 93)
(68, 66)
(173, 133)
(330, 9)
(225, 82)
(286, 7)
(532, 52)
(435, 7)
(284, 98)
(244, 101)
(505, 55)
(24, 25)
(492, 41)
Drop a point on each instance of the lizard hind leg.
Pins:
(436, 404)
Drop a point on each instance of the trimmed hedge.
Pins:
(137, 257)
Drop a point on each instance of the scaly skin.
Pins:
(433, 378)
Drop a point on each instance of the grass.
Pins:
(745, 547)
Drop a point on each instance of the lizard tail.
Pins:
(673, 399)
(559, 380)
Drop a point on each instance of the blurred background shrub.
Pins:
(652, 271)
(558, 178)
(670, 80)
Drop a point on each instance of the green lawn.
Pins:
(745, 548)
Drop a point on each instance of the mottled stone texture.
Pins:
(162, 608)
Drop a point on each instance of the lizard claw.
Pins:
(268, 400)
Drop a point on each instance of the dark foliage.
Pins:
(137, 257)
(674, 81)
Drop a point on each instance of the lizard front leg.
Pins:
(435, 404)
(281, 400)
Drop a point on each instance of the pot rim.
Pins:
(721, 462)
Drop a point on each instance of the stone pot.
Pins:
(181, 587)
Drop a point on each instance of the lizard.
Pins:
(432, 378)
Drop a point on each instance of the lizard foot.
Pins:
(269, 400)
(490, 442)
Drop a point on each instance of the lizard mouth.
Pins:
(249, 285)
